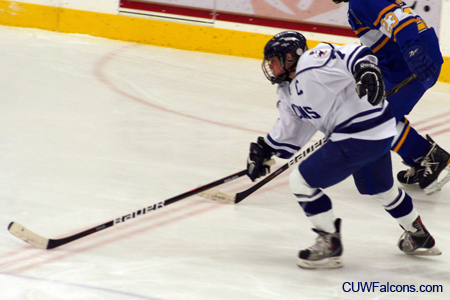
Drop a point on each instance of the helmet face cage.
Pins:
(281, 44)
(269, 73)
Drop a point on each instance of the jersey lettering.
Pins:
(339, 53)
(305, 112)
(299, 91)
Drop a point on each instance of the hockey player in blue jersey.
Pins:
(404, 45)
(327, 89)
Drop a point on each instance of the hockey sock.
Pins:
(324, 221)
(407, 221)
(318, 209)
(399, 205)
(409, 144)
(403, 211)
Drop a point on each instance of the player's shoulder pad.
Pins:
(314, 58)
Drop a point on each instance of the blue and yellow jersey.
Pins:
(388, 28)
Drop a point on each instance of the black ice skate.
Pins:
(411, 176)
(325, 253)
(434, 162)
(418, 243)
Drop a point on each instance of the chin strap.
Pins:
(292, 69)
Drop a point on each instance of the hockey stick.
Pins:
(400, 85)
(238, 197)
(39, 241)
(36, 240)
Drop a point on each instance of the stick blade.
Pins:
(218, 196)
(28, 236)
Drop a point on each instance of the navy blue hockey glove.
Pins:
(369, 81)
(419, 62)
(260, 154)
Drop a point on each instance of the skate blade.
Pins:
(326, 263)
(426, 252)
(438, 183)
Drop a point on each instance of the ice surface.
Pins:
(92, 129)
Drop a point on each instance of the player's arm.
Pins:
(285, 139)
(362, 64)
(403, 25)
(369, 81)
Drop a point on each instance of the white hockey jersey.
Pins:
(322, 97)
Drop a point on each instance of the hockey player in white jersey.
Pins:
(327, 89)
